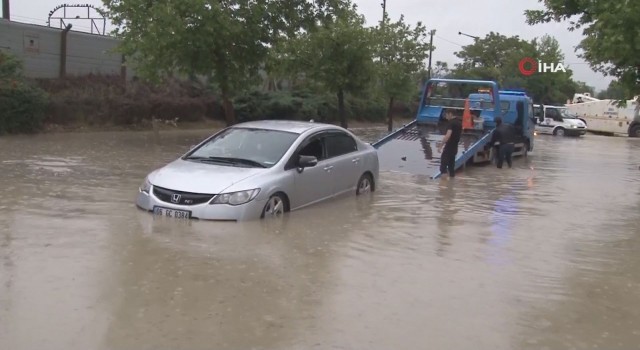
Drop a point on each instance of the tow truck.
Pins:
(413, 148)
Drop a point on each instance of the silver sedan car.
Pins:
(261, 169)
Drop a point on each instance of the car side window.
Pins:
(313, 148)
(553, 114)
(339, 143)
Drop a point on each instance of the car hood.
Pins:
(576, 122)
(196, 177)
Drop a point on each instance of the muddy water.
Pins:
(542, 256)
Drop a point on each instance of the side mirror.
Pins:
(307, 161)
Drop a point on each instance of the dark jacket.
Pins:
(504, 133)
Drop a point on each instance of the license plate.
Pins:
(172, 213)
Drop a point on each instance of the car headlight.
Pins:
(145, 186)
(236, 198)
(574, 126)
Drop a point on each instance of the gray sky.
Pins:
(447, 17)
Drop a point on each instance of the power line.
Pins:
(449, 41)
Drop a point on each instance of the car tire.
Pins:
(275, 207)
(634, 131)
(559, 132)
(365, 184)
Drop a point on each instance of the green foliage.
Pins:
(496, 57)
(337, 54)
(615, 91)
(581, 87)
(305, 105)
(226, 41)
(10, 67)
(22, 105)
(611, 32)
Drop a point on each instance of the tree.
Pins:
(615, 91)
(440, 70)
(611, 32)
(224, 40)
(581, 87)
(494, 57)
(550, 87)
(402, 51)
(337, 54)
(497, 57)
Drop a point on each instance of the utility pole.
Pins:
(432, 33)
(384, 9)
(6, 13)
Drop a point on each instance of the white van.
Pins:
(556, 120)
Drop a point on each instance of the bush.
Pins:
(305, 105)
(104, 100)
(22, 105)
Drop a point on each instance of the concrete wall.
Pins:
(39, 48)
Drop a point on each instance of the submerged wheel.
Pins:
(559, 132)
(634, 131)
(365, 184)
(276, 207)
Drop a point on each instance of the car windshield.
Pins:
(245, 147)
(567, 115)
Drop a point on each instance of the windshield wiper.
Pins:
(228, 160)
(235, 161)
(245, 161)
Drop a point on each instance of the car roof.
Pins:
(297, 127)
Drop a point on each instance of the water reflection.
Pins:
(502, 226)
(446, 218)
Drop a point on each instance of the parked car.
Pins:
(556, 120)
(261, 169)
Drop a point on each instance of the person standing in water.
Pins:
(450, 145)
(505, 135)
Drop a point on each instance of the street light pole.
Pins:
(432, 33)
(471, 36)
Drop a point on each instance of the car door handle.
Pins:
(355, 160)
(328, 168)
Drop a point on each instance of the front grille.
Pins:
(179, 197)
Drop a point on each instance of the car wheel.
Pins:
(365, 184)
(559, 132)
(634, 131)
(276, 207)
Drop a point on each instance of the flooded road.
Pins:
(542, 256)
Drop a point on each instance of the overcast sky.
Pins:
(473, 17)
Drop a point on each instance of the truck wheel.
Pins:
(559, 132)
(634, 131)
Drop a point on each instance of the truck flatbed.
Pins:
(414, 148)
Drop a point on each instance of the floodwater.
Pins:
(542, 256)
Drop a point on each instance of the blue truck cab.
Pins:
(516, 108)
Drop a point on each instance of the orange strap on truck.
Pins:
(467, 118)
